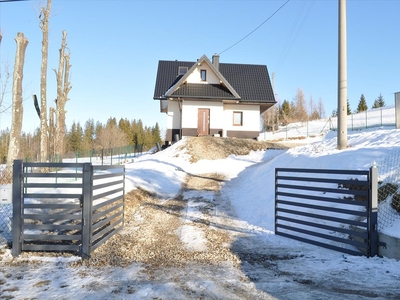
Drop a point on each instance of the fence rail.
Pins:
(335, 209)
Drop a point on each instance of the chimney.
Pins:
(215, 61)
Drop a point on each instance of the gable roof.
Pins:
(223, 82)
(245, 82)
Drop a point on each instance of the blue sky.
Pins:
(116, 45)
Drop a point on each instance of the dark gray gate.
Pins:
(335, 209)
(66, 206)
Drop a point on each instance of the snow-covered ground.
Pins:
(286, 269)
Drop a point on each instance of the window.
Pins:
(203, 75)
(182, 70)
(237, 118)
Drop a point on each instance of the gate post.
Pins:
(373, 243)
(87, 183)
(17, 208)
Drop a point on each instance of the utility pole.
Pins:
(342, 79)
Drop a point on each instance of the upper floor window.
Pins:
(182, 70)
(203, 75)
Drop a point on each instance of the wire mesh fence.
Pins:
(389, 190)
(6, 208)
(373, 118)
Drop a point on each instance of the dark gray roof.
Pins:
(201, 90)
(251, 82)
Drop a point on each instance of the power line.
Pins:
(294, 32)
(256, 27)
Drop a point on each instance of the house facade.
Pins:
(211, 98)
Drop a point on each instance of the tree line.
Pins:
(91, 136)
(301, 110)
(362, 105)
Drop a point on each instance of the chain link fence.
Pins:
(373, 118)
(6, 208)
(389, 190)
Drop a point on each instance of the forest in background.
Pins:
(91, 136)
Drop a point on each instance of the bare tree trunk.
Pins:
(17, 109)
(44, 25)
(63, 88)
(51, 133)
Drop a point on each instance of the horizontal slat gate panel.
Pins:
(321, 207)
(362, 234)
(55, 247)
(61, 227)
(324, 199)
(42, 237)
(306, 208)
(317, 189)
(324, 245)
(55, 221)
(52, 175)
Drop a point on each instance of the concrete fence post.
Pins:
(397, 109)
(373, 213)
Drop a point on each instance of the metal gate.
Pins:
(59, 206)
(335, 209)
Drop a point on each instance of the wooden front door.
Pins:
(203, 121)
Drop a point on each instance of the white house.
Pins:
(210, 98)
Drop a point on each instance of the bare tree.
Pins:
(111, 136)
(44, 25)
(63, 88)
(321, 108)
(17, 109)
(300, 106)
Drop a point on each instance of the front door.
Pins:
(203, 121)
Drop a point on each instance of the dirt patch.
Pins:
(208, 147)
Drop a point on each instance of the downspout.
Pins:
(180, 113)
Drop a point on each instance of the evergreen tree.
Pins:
(74, 138)
(156, 133)
(348, 107)
(89, 135)
(125, 126)
(285, 112)
(379, 102)
(362, 104)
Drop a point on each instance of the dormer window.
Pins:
(203, 75)
(182, 70)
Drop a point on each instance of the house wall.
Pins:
(195, 76)
(189, 116)
(251, 121)
(173, 120)
(221, 119)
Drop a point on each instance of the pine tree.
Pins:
(348, 107)
(362, 104)
(379, 102)
(156, 134)
(88, 135)
(285, 112)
